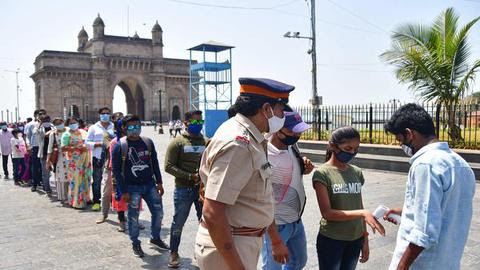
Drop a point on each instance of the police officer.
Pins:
(238, 202)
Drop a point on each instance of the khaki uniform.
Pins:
(235, 171)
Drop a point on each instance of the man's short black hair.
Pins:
(45, 118)
(3, 123)
(130, 118)
(29, 119)
(35, 113)
(231, 112)
(249, 105)
(191, 113)
(15, 132)
(411, 116)
(104, 108)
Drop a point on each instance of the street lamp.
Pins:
(315, 100)
(86, 112)
(17, 109)
(159, 94)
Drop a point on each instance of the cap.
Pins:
(294, 122)
(265, 88)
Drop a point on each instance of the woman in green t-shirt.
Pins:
(338, 185)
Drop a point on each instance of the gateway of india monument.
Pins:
(79, 83)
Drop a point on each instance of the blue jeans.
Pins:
(45, 174)
(36, 167)
(18, 168)
(183, 198)
(337, 254)
(150, 194)
(97, 165)
(293, 236)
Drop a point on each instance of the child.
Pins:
(18, 153)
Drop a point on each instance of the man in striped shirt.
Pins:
(288, 169)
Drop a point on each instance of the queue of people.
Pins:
(246, 184)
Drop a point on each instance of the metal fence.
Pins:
(369, 120)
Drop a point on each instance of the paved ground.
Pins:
(36, 233)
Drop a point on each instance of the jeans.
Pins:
(45, 174)
(18, 168)
(5, 164)
(293, 236)
(336, 254)
(183, 198)
(36, 167)
(154, 202)
(97, 179)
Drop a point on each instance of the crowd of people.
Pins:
(246, 184)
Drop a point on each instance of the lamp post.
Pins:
(17, 109)
(86, 112)
(159, 93)
(315, 99)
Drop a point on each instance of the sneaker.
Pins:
(101, 219)
(174, 261)
(137, 251)
(158, 243)
(33, 189)
(96, 207)
(121, 227)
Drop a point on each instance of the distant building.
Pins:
(80, 82)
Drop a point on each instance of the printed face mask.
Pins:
(134, 130)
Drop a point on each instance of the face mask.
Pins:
(73, 126)
(345, 157)
(194, 128)
(289, 140)
(105, 117)
(20, 128)
(60, 127)
(275, 123)
(4, 127)
(408, 149)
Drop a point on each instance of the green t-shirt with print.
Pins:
(345, 193)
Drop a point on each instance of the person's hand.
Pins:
(308, 165)
(373, 223)
(49, 165)
(196, 178)
(280, 252)
(160, 189)
(365, 251)
(397, 211)
(126, 197)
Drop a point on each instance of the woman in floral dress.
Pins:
(79, 164)
(54, 142)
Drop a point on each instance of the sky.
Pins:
(351, 34)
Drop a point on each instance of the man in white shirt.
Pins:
(98, 136)
(6, 146)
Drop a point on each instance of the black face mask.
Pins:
(289, 140)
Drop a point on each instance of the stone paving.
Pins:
(37, 233)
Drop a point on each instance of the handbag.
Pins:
(54, 154)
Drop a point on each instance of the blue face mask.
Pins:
(194, 128)
(105, 117)
(3, 127)
(60, 127)
(134, 130)
(20, 128)
(73, 126)
(345, 157)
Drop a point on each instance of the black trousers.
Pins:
(5, 164)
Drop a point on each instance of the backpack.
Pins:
(124, 150)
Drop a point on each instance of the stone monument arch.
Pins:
(84, 81)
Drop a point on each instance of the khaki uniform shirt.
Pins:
(235, 171)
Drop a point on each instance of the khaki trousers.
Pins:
(208, 257)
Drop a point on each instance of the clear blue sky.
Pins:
(350, 36)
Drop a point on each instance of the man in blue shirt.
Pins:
(135, 167)
(437, 211)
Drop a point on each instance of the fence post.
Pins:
(437, 120)
(370, 124)
(326, 120)
(319, 124)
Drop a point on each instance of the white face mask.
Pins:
(407, 149)
(275, 123)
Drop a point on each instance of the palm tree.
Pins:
(434, 61)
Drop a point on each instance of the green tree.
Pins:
(434, 60)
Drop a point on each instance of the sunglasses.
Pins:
(197, 122)
(132, 127)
